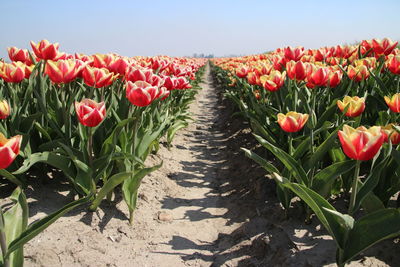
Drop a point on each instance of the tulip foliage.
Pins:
(95, 118)
(330, 117)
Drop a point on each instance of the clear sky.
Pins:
(181, 28)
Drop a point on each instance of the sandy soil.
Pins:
(207, 206)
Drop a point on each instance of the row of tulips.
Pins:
(330, 117)
(93, 118)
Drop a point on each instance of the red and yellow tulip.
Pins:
(5, 109)
(393, 102)
(97, 77)
(361, 143)
(273, 81)
(89, 112)
(9, 149)
(62, 71)
(292, 121)
(356, 105)
(45, 50)
(141, 93)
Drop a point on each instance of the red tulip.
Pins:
(274, 81)
(9, 149)
(356, 105)
(16, 54)
(361, 143)
(45, 50)
(296, 70)
(141, 93)
(318, 76)
(242, 71)
(393, 64)
(292, 121)
(97, 77)
(90, 113)
(393, 102)
(62, 71)
(293, 53)
(335, 77)
(384, 47)
(12, 72)
(170, 83)
(4, 109)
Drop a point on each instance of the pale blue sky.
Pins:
(179, 28)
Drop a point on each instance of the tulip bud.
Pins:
(5, 109)
(141, 93)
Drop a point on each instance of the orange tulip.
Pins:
(296, 70)
(5, 109)
(393, 102)
(12, 72)
(89, 112)
(358, 73)
(393, 64)
(45, 50)
(356, 105)
(274, 81)
(361, 143)
(392, 133)
(62, 71)
(141, 93)
(9, 149)
(97, 77)
(292, 121)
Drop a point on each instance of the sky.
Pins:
(182, 28)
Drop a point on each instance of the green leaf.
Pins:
(16, 221)
(173, 129)
(131, 185)
(111, 183)
(290, 163)
(371, 229)
(319, 205)
(323, 180)
(322, 149)
(37, 227)
(261, 161)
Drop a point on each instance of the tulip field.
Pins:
(326, 119)
(94, 118)
(329, 117)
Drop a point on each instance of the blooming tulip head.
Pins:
(317, 76)
(393, 102)
(358, 73)
(141, 93)
(361, 143)
(292, 121)
(393, 64)
(90, 113)
(4, 109)
(62, 71)
(296, 70)
(335, 77)
(9, 149)
(383, 47)
(13, 72)
(97, 77)
(391, 133)
(274, 81)
(356, 105)
(293, 53)
(45, 50)
(16, 54)
(242, 71)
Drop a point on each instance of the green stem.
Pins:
(354, 188)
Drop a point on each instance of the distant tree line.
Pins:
(203, 55)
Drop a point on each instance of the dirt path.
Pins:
(207, 206)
